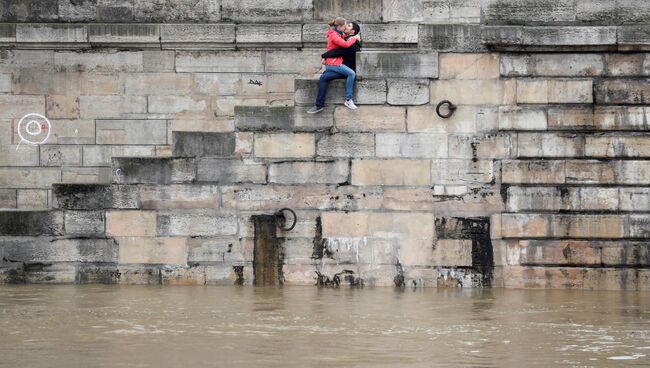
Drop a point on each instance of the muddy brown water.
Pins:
(138, 326)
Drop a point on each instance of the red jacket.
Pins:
(335, 41)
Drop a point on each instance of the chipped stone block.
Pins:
(32, 199)
(59, 155)
(84, 222)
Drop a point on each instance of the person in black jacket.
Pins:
(349, 59)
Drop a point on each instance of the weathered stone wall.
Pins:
(174, 123)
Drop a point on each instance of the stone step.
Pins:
(571, 226)
(366, 92)
(576, 171)
(198, 144)
(154, 170)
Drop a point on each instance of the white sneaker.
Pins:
(350, 105)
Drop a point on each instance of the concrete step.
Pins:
(154, 170)
(197, 144)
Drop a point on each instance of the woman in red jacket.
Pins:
(335, 40)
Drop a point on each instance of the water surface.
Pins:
(140, 326)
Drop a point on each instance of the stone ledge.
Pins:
(556, 38)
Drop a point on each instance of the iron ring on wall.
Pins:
(279, 216)
(450, 106)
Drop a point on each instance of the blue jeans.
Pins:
(349, 73)
(323, 83)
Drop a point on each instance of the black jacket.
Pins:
(349, 55)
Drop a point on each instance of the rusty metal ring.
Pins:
(279, 216)
(450, 106)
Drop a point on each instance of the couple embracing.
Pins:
(343, 42)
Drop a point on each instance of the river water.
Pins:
(138, 326)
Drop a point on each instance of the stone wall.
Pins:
(176, 123)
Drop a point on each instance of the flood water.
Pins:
(138, 326)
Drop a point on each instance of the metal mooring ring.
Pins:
(279, 216)
(450, 106)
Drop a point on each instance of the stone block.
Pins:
(29, 178)
(25, 155)
(99, 155)
(469, 66)
(284, 145)
(304, 122)
(450, 37)
(275, 11)
(553, 65)
(357, 10)
(403, 226)
(196, 223)
(264, 118)
(183, 106)
(487, 146)
(197, 36)
(587, 226)
(439, 12)
(8, 198)
(31, 223)
(98, 61)
(191, 144)
(226, 171)
(342, 224)
(633, 37)
(536, 91)
(408, 92)
(5, 83)
(532, 145)
(366, 92)
(220, 62)
(154, 170)
(391, 172)
(62, 107)
(134, 35)
(216, 125)
(525, 225)
(158, 61)
(84, 175)
(521, 199)
(590, 172)
(84, 222)
(131, 131)
(111, 106)
(526, 11)
(621, 92)
(411, 145)
(159, 84)
(548, 252)
(397, 64)
(533, 172)
(164, 11)
(616, 146)
(634, 199)
(632, 172)
(16, 106)
(522, 118)
(95, 196)
(320, 172)
(58, 155)
(569, 36)
(625, 65)
(463, 172)
(371, 119)
(257, 35)
(130, 223)
(374, 34)
(61, 34)
(469, 119)
(346, 145)
(32, 199)
(149, 250)
(473, 92)
(178, 196)
(308, 197)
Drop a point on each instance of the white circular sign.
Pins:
(34, 129)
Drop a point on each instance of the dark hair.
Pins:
(356, 27)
